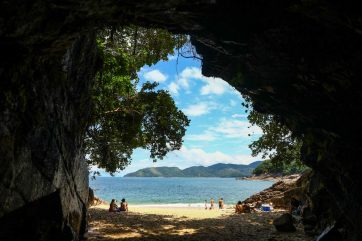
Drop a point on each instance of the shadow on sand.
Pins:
(132, 226)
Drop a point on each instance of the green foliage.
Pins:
(123, 117)
(140, 46)
(269, 167)
(277, 143)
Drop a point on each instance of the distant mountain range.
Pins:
(217, 170)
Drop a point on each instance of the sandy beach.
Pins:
(163, 223)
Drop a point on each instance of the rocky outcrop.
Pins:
(317, 212)
(94, 200)
(298, 60)
(280, 193)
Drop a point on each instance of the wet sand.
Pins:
(165, 223)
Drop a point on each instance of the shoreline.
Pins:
(268, 177)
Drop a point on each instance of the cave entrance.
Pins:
(219, 133)
(219, 130)
(215, 152)
(298, 60)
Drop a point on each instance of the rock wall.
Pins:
(302, 66)
(298, 60)
(44, 109)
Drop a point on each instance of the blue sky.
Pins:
(218, 132)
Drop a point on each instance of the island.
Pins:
(216, 170)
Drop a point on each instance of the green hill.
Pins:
(157, 172)
(217, 170)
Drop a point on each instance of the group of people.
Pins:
(241, 207)
(296, 206)
(114, 208)
(212, 203)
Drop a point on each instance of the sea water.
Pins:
(175, 191)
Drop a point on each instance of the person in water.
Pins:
(124, 205)
(113, 206)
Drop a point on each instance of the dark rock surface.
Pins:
(44, 177)
(298, 60)
(280, 193)
(284, 223)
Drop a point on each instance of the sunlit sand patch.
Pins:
(185, 231)
(123, 235)
(181, 212)
(167, 227)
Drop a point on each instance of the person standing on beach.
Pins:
(221, 203)
(212, 203)
(205, 204)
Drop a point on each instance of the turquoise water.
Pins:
(145, 190)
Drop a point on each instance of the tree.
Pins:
(123, 117)
(276, 143)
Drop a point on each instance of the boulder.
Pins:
(43, 174)
(284, 223)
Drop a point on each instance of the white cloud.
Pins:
(155, 75)
(172, 57)
(212, 85)
(215, 86)
(201, 137)
(173, 88)
(236, 128)
(197, 109)
(182, 81)
(197, 156)
(228, 128)
(192, 73)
